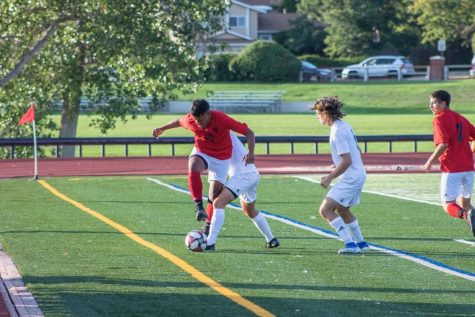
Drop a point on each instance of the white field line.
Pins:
(438, 266)
(309, 179)
(465, 241)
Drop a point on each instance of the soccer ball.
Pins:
(196, 241)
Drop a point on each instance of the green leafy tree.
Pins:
(362, 27)
(452, 20)
(112, 53)
(304, 37)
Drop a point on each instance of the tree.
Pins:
(59, 51)
(452, 20)
(361, 27)
(304, 37)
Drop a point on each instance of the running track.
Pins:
(267, 164)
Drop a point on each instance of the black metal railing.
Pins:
(173, 141)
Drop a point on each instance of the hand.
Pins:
(325, 182)
(157, 132)
(249, 158)
(427, 166)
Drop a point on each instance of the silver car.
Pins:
(380, 66)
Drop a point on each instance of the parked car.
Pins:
(311, 72)
(472, 70)
(380, 66)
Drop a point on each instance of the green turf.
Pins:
(372, 97)
(77, 265)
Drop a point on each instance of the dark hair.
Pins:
(329, 105)
(441, 95)
(198, 107)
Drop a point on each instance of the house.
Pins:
(250, 20)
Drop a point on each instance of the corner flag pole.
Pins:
(35, 151)
(29, 116)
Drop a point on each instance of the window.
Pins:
(238, 22)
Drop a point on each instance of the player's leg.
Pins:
(327, 211)
(217, 175)
(353, 226)
(225, 197)
(465, 200)
(353, 193)
(450, 191)
(196, 165)
(260, 222)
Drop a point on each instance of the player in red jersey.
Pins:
(452, 136)
(212, 149)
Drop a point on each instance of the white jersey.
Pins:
(237, 165)
(343, 140)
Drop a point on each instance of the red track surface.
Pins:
(267, 164)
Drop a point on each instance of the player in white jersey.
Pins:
(242, 182)
(349, 167)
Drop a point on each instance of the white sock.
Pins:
(355, 231)
(216, 224)
(341, 230)
(261, 223)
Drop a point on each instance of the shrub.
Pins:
(218, 67)
(266, 62)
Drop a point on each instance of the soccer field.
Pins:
(114, 246)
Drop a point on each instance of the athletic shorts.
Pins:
(454, 185)
(346, 194)
(244, 186)
(217, 169)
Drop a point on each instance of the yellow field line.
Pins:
(259, 311)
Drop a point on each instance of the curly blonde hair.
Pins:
(330, 106)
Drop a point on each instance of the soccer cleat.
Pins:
(210, 247)
(274, 243)
(205, 228)
(350, 248)
(471, 220)
(200, 212)
(363, 246)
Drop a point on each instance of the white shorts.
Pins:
(454, 185)
(346, 194)
(244, 186)
(217, 169)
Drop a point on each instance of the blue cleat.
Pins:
(350, 248)
(363, 246)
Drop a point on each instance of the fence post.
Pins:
(365, 74)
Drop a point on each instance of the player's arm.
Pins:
(175, 123)
(345, 163)
(439, 150)
(251, 141)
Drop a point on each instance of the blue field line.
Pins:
(427, 262)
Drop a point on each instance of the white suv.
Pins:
(380, 66)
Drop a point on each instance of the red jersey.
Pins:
(214, 140)
(456, 131)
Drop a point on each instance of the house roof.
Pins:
(275, 22)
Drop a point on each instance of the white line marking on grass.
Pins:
(438, 266)
(465, 241)
(308, 179)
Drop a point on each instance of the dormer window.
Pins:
(237, 21)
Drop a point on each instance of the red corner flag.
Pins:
(28, 116)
